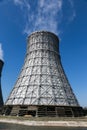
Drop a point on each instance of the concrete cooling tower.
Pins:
(42, 88)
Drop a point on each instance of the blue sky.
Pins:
(66, 18)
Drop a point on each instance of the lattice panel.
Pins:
(42, 80)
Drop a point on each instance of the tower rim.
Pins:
(43, 31)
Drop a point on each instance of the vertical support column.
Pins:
(1, 97)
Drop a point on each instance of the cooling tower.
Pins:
(42, 88)
(1, 97)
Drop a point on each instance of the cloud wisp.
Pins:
(46, 14)
(22, 4)
(71, 18)
(1, 52)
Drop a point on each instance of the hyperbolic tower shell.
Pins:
(42, 80)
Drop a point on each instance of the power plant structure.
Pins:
(42, 88)
(1, 97)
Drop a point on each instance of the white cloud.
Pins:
(45, 19)
(22, 3)
(46, 14)
(1, 52)
(73, 15)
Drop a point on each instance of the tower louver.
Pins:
(42, 87)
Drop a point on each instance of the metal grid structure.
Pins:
(42, 80)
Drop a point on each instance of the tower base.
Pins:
(41, 111)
